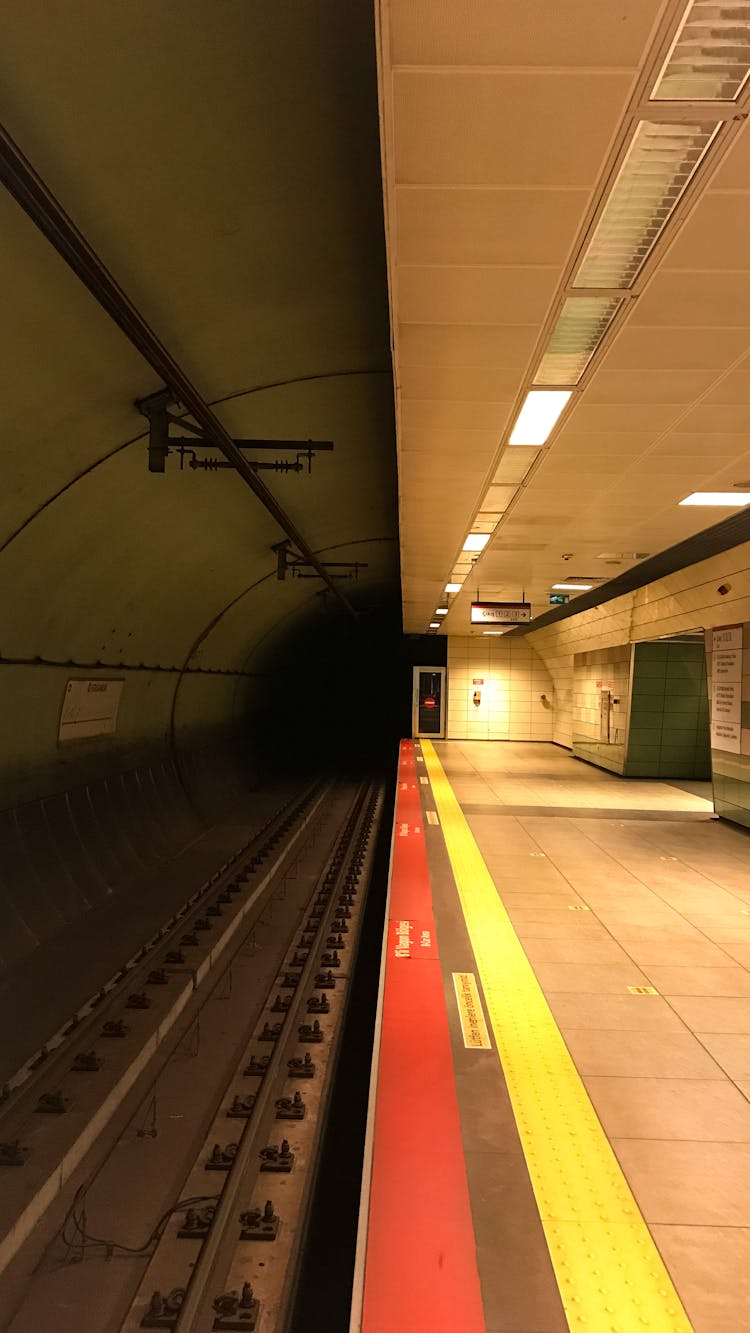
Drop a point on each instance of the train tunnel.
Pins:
(375, 570)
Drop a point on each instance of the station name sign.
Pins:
(500, 613)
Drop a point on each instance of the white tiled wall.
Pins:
(514, 679)
(687, 599)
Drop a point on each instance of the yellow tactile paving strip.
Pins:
(609, 1271)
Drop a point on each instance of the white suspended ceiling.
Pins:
(505, 125)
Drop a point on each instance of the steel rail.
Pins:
(197, 1296)
(39, 204)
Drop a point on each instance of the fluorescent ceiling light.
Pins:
(658, 166)
(572, 587)
(441, 611)
(709, 59)
(492, 633)
(434, 624)
(453, 587)
(580, 327)
(538, 416)
(476, 541)
(735, 499)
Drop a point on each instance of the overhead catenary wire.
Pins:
(46, 212)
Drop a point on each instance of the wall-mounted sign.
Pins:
(726, 689)
(89, 708)
(500, 613)
(559, 598)
(478, 680)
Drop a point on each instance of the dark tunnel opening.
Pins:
(336, 701)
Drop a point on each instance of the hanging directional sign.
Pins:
(500, 613)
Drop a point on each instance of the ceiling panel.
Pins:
(503, 121)
(648, 386)
(715, 235)
(683, 349)
(483, 32)
(514, 227)
(709, 299)
(466, 344)
(526, 129)
(437, 414)
(478, 295)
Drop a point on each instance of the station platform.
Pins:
(559, 1125)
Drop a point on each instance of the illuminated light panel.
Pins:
(434, 624)
(572, 587)
(538, 416)
(453, 587)
(579, 328)
(659, 164)
(441, 611)
(492, 633)
(476, 541)
(734, 498)
(709, 60)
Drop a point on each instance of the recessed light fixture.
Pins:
(476, 541)
(709, 59)
(492, 633)
(660, 162)
(572, 587)
(580, 327)
(434, 624)
(539, 415)
(453, 587)
(441, 610)
(730, 499)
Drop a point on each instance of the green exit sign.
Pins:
(558, 598)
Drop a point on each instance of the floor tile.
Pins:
(731, 1050)
(641, 1054)
(703, 1013)
(691, 1183)
(624, 1013)
(661, 1108)
(699, 980)
(596, 978)
(673, 952)
(710, 1267)
(577, 950)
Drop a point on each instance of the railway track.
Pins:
(230, 1263)
(179, 972)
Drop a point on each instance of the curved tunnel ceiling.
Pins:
(223, 161)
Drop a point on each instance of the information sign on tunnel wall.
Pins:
(89, 708)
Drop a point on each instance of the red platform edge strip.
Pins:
(421, 1267)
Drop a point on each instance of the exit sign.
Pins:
(558, 598)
